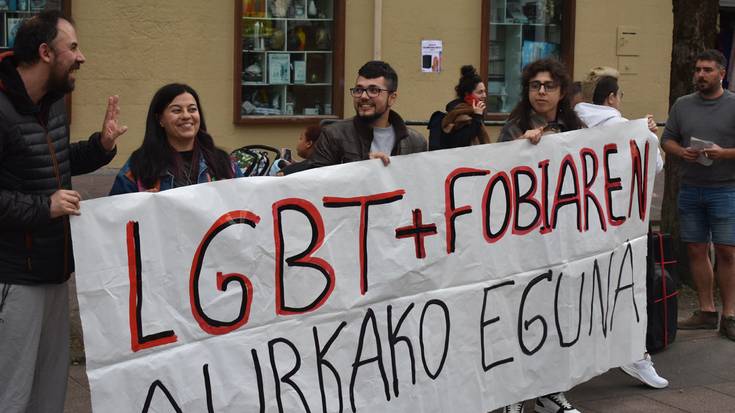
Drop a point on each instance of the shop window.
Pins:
(289, 57)
(13, 12)
(515, 33)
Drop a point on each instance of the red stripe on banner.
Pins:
(666, 296)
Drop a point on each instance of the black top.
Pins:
(187, 175)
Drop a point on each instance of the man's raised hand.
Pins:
(111, 129)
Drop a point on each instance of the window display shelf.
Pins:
(289, 56)
(13, 12)
(524, 24)
(287, 84)
(516, 33)
(288, 19)
(285, 51)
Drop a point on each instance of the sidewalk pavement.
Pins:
(700, 367)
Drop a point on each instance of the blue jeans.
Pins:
(707, 214)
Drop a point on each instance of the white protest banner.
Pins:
(458, 280)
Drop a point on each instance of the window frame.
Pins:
(65, 11)
(567, 44)
(338, 63)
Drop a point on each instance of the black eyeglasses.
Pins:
(372, 91)
(549, 86)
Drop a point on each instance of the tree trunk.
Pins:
(695, 30)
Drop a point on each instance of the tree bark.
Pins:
(695, 30)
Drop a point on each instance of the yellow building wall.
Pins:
(134, 47)
(647, 90)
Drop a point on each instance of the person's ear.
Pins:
(45, 52)
(610, 98)
(309, 144)
(392, 98)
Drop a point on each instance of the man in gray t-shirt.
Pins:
(707, 193)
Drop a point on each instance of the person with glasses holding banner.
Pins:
(376, 130)
(545, 105)
(545, 108)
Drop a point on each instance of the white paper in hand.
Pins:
(700, 144)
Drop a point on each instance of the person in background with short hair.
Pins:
(544, 109)
(605, 110)
(36, 200)
(176, 150)
(304, 148)
(707, 189)
(463, 123)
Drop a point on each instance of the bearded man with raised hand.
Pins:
(36, 199)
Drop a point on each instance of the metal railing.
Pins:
(426, 122)
(420, 122)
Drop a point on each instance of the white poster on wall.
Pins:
(431, 56)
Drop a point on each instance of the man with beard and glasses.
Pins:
(36, 199)
(707, 191)
(376, 131)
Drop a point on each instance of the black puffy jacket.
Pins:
(36, 160)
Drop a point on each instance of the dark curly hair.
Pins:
(521, 114)
(468, 81)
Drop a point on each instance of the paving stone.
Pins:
(696, 399)
(726, 388)
(614, 383)
(96, 184)
(78, 373)
(77, 398)
(633, 404)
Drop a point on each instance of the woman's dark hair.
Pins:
(521, 114)
(468, 81)
(605, 85)
(156, 156)
(33, 32)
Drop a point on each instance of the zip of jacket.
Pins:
(57, 173)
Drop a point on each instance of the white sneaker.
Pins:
(513, 408)
(554, 403)
(643, 370)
